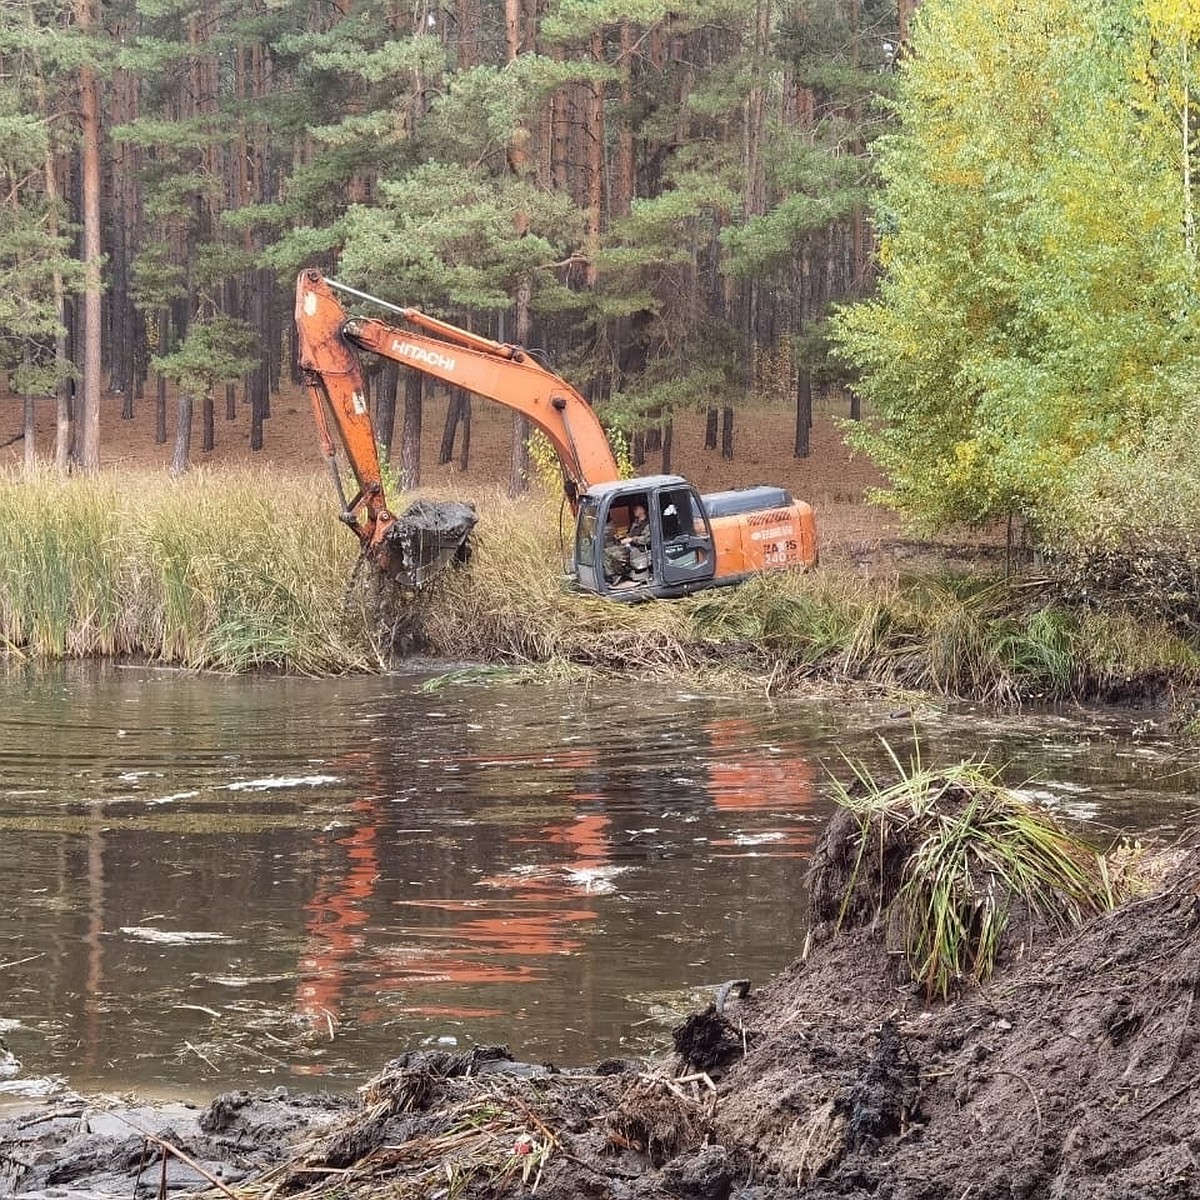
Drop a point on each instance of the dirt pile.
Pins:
(1072, 1074)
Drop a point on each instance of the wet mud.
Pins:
(1072, 1074)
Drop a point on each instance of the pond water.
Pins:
(215, 882)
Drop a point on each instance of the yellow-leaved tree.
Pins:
(1036, 300)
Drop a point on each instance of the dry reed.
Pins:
(249, 570)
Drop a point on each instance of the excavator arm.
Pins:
(413, 547)
(506, 374)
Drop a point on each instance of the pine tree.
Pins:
(36, 265)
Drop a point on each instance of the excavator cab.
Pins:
(639, 539)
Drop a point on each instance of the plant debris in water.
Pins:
(1072, 1074)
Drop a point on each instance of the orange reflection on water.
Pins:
(335, 919)
(501, 941)
(537, 933)
(745, 776)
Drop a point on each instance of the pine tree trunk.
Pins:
(710, 428)
(803, 412)
(624, 182)
(595, 163)
(160, 381)
(667, 437)
(266, 325)
(208, 437)
(518, 457)
(120, 109)
(727, 432)
(467, 20)
(518, 477)
(62, 383)
(514, 25)
(257, 383)
(230, 301)
(385, 406)
(29, 424)
(410, 445)
(257, 404)
(560, 132)
(517, 41)
(181, 456)
(464, 452)
(62, 407)
(754, 127)
(455, 412)
(118, 352)
(160, 410)
(89, 108)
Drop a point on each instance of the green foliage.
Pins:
(1036, 301)
(157, 280)
(546, 467)
(217, 350)
(1125, 531)
(833, 43)
(377, 63)
(445, 236)
(658, 392)
(573, 19)
(35, 249)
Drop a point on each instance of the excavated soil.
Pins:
(1071, 1075)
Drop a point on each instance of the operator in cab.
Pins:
(616, 552)
(639, 528)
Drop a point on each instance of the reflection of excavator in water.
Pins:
(691, 542)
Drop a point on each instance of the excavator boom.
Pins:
(506, 374)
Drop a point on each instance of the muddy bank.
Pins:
(1072, 1074)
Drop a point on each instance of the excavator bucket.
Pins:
(426, 538)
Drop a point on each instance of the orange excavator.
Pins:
(679, 542)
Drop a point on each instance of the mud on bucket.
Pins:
(427, 537)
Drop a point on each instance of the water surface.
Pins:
(207, 882)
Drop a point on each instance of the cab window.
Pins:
(585, 538)
(678, 517)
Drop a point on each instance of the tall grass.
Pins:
(957, 856)
(226, 572)
(245, 570)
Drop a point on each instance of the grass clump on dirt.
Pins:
(957, 867)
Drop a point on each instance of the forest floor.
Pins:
(832, 478)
